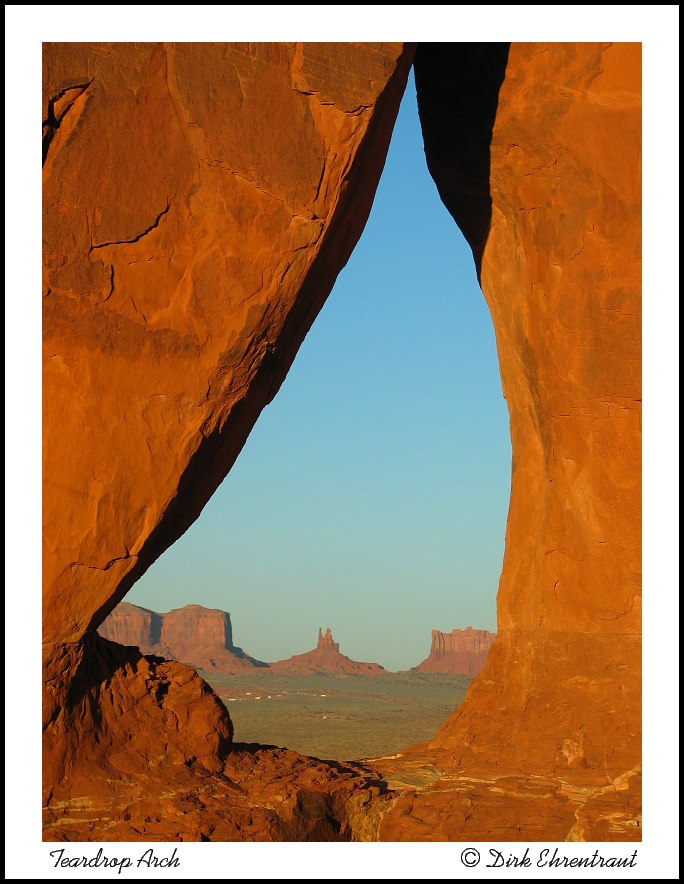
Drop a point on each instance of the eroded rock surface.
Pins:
(459, 652)
(147, 755)
(200, 637)
(560, 695)
(199, 201)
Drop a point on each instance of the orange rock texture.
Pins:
(199, 201)
(147, 755)
(560, 693)
(460, 652)
(325, 657)
(201, 637)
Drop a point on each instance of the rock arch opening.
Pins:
(371, 494)
(171, 363)
(390, 428)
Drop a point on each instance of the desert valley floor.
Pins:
(336, 716)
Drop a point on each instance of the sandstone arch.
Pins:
(199, 203)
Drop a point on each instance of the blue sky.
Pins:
(372, 494)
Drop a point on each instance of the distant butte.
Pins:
(200, 637)
(326, 657)
(459, 652)
(203, 638)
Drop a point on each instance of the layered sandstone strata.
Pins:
(201, 637)
(459, 652)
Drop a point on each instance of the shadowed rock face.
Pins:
(200, 200)
(459, 652)
(458, 87)
(133, 626)
(560, 693)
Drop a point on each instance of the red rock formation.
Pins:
(325, 657)
(199, 201)
(558, 245)
(459, 652)
(325, 642)
(201, 637)
(133, 626)
(149, 758)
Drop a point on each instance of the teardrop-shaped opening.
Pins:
(371, 497)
